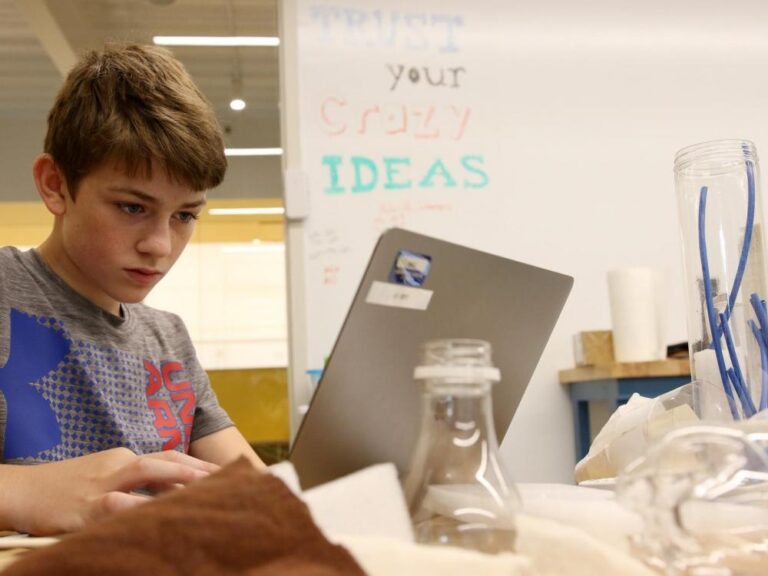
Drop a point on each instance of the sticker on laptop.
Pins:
(410, 268)
(398, 296)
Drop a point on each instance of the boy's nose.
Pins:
(156, 240)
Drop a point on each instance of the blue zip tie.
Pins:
(761, 314)
(764, 392)
(742, 389)
(747, 242)
(761, 335)
(763, 364)
(742, 393)
(711, 307)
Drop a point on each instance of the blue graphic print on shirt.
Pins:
(35, 350)
(67, 397)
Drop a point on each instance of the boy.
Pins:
(103, 394)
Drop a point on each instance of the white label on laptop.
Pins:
(398, 296)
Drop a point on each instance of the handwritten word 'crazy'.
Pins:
(430, 122)
(420, 32)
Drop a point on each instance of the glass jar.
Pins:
(701, 492)
(456, 488)
(718, 192)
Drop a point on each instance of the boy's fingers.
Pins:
(112, 502)
(153, 471)
(155, 489)
(186, 459)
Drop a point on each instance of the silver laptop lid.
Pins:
(366, 408)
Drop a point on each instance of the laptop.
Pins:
(367, 407)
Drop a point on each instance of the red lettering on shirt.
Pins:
(174, 438)
(155, 380)
(173, 403)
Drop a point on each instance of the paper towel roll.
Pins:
(635, 315)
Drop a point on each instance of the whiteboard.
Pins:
(395, 129)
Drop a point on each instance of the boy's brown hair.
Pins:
(131, 105)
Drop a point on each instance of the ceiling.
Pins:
(36, 36)
(41, 39)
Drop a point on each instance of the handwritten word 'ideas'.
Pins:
(419, 32)
(432, 122)
(363, 174)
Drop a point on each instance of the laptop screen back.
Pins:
(367, 406)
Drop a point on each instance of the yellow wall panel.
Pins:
(256, 400)
(24, 213)
(24, 223)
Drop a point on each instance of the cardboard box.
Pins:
(594, 348)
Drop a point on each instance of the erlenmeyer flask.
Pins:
(457, 491)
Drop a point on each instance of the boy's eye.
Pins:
(130, 208)
(186, 217)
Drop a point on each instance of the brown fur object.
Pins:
(238, 521)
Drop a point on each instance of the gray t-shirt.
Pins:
(75, 379)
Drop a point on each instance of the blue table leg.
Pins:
(581, 427)
(615, 392)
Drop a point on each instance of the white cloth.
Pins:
(593, 511)
(556, 549)
(391, 557)
(544, 548)
(366, 503)
(563, 530)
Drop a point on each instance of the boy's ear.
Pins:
(51, 184)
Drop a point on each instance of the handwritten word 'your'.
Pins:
(418, 32)
(431, 122)
(448, 77)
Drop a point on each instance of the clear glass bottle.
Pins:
(718, 193)
(456, 488)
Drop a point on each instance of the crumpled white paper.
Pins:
(366, 512)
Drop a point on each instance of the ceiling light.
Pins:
(216, 40)
(246, 211)
(253, 151)
(237, 104)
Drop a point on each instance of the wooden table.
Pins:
(614, 384)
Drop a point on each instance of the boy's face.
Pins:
(122, 233)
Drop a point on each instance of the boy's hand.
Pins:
(64, 496)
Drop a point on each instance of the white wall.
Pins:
(604, 96)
